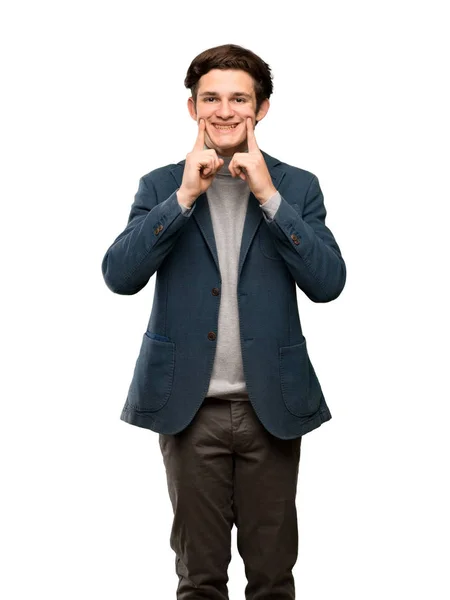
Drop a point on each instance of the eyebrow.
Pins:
(232, 94)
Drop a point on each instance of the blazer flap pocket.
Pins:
(299, 384)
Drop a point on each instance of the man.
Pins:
(223, 374)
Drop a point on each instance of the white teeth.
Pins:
(225, 127)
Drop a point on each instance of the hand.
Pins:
(200, 168)
(251, 167)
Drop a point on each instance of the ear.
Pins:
(191, 108)
(263, 109)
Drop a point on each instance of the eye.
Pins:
(240, 100)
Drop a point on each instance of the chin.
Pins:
(230, 144)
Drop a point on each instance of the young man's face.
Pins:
(226, 97)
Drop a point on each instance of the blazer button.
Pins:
(158, 229)
(295, 239)
(215, 291)
(211, 335)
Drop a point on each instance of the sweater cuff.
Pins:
(186, 210)
(271, 205)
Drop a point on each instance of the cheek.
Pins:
(205, 110)
(245, 113)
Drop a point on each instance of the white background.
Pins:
(93, 98)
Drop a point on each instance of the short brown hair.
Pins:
(231, 56)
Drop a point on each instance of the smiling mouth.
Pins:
(225, 127)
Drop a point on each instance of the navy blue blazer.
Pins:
(173, 369)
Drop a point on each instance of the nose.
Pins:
(225, 109)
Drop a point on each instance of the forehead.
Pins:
(226, 81)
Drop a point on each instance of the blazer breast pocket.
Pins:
(152, 380)
(300, 387)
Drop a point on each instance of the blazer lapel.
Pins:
(253, 215)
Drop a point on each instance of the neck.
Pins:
(242, 148)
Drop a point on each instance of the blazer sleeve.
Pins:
(308, 247)
(151, 232)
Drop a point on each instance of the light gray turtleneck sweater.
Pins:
(228, 199)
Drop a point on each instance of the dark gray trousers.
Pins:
(225, 468)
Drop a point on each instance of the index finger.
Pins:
(251, 139)
(200, 141)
